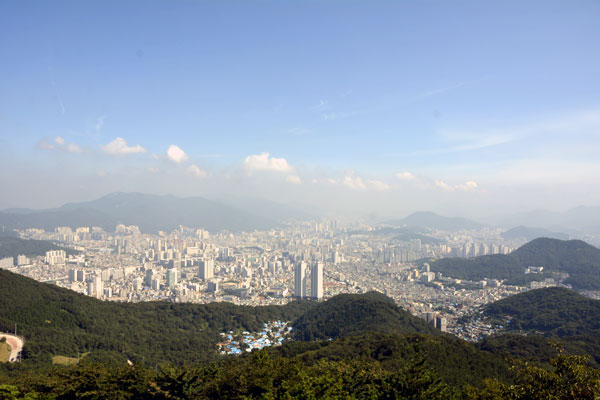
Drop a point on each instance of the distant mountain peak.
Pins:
(429, 219)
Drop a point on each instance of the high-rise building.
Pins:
(150, 275)
(316, 281)
(441, 323)
(96, 287)
(80, 275)
(171, 278)
(23, 260)
(206, 269)
(213, 286)
(7, 262)
(300, 280)
(72, 275)
(54, 257)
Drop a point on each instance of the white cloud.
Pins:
(443, 185)
(176, 154)
(378, 185)
(43, 144)
(405, 176)
(73, 148)
(354, 181)
(197, 171)
(119, 147)
(466, 186)
(295, 179)
(262, 162)
(59, 143)
(152, 170)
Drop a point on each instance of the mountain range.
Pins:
(152, 213)
(581, 218)
(529, 233)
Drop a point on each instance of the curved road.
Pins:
(16, 343)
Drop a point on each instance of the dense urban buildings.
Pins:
(309, 260)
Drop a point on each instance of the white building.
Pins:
(316, 281)
(206, 269)
(300, 280)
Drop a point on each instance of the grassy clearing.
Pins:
(62, 360)
(5, 350)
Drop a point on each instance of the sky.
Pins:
(470, 108)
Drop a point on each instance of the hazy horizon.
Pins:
(465, 108)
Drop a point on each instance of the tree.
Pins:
(571, 378)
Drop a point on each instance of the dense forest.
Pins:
(348, 314)
(12, 247)
(371, 349)
(263, 375)
(575, 257)
(557, 314)
(57, 321)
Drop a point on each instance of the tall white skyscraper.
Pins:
(206, 270)
(316, 281)
(300, 280)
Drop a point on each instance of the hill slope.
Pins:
(348, 314)
(575, 257)
(427, 219)
(57, 321)
(555, 313)
(12, 247)
(552, 312)
(529, 233)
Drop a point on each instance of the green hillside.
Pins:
(455, 361)
(551, 311)
(555, 313)
(57, 321)
(349, 314)
(575, 257)
(12, 247)
(5, 350)
(380, 351)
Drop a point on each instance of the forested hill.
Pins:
(551, 311)
(575, 257)
(57, 321)
(555, 313)
(12, 247)
(360, 363)
(349, 314)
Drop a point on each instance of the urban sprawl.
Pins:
(314, 260)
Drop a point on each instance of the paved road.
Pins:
(16, 343)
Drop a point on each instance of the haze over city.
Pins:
(348, 108)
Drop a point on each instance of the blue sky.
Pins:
(451, 105)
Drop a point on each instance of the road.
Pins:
(16, 343)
